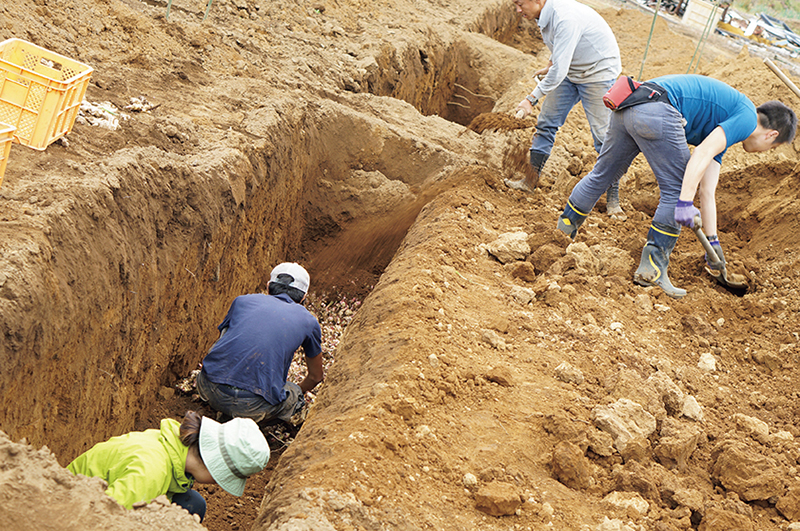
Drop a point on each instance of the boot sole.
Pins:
(518, 185)
(647, 284)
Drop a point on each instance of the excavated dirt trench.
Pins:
(133, 265)
(122, 250)
(172, 237)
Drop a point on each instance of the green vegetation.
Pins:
(786, 10)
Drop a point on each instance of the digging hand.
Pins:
(525, 107)
(685, 213)
(720, 263)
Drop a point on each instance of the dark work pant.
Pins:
(192, 501)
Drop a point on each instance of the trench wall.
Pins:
(126, 285)
(119, 290)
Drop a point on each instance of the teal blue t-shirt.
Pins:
(706, 103)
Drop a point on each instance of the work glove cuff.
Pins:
(714, 241)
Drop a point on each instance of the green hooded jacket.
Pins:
(140, 465)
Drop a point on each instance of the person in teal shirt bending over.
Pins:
(142, 465)
(685, 109)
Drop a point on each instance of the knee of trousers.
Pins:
(663, 236)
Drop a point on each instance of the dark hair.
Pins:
(775, 115)
(282, 286)
(190, 428)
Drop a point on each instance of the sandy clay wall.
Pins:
(470, 390)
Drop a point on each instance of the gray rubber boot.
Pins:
(612, 202)
(529, 182)
(570, 220)
(652, 270)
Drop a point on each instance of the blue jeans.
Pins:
(192, 501)
(236, 402)
(655, 129)
(559, 103)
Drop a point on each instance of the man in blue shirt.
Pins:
(245, 372)
(700, 111)
(583, 65)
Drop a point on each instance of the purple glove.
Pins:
(685, 212)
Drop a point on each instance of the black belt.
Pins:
(647, 92)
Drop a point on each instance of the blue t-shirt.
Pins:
(263, 333)
(706, 103)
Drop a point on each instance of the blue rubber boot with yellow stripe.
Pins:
(653, 266)
(570, 221)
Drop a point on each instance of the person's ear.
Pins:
(772, 134)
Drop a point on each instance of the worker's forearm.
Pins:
(691, 178)
(701, 161)
(693, 174)
(309, 384)
(708, 201)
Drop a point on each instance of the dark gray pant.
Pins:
(236, 402)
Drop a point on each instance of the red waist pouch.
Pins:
(623, 87)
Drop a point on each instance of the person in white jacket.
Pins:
(584, 63)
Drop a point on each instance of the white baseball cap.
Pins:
(233, 451)
(300, 278)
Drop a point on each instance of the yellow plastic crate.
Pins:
(6, 136)
(40, 92)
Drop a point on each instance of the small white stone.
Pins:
(423, 430)
(569, 374)
(613, 525)
(720, 322)
(691, 409)
(469, 480)
(707, 362)
(625, 500)
(522, 295)
(547, 510)
(783, 436)
(616, 326)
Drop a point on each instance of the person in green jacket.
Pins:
(142, 465)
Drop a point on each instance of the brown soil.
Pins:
(465, 388)
(494, 121)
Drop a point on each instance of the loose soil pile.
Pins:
(498, 376)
